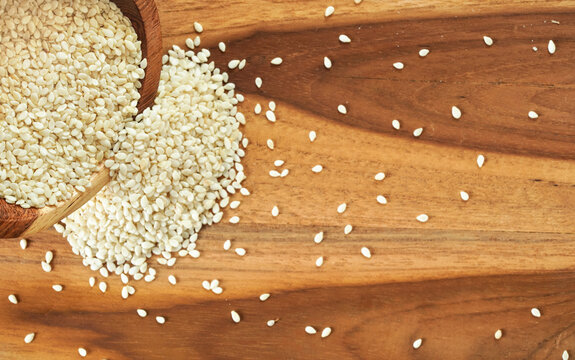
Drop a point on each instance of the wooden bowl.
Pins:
(16, 221)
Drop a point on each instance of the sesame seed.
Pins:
(535, 312)
(233, 64)
(142, 313)
(366, 252)
(13, 299)
(172, 279)
(284, 173)
(270, 144)
(423, 52)
(227, 245)
(244, 192)
(214, 284)
(103, 286)
(274, 173)
(217, 290)
(264, 297)
(46, 267)
(565, 355)
(329, 11)
(417, 132)
(23, 244)
(341, 208)
(456, 112)
(325, 332)
(317, 169)
(242, 64)
(498, 334)
(555, 22)
(347, 229)
(381, 199)
(259, 82)
(277, 61)
(533, 115)
(198, 27)
(319, 261)
(234, 204)
(310, 330)
(480, 160)
(272, 105)
(318, 237)
(160, 320)
(57, 288)
(271, 323)
(417, 343)
(342, 109)
(327, 62)
(551, 47)
(206, 285)
(271, 116)
(29, 338)
(190, 43)
(464, 195)
(235, 219)
(534, 48)
(83, 352)
(422, 218)
(240, 251)
(396, 124)
(379, 176)
(487, 40)
(344, 39)
(235, 316)
(398, 65)
(312, 136)
(258, 109)
(222, 46)
(279, 162)
(92, 281)
(357, 1)
(275, 211)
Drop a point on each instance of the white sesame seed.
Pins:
(83, 352)
(235, 204)
(464, 195)
(13, 299)
(235, 219)
(487, 40)
(244, 192)
(214, 284)
(551, 47)
(317, 169)
(318, 237)
(344, 39)
(312, 136)
(23, 244)
(217, 290)
(342, 109)
(227, 245)
(222, 46)
(277, 61)
(92, 281)
(535, 312)
(555, 22)
(198, 27)
(329, 11)
(284, 173)
(46, 267)
(258, 109)
(341, 208)
(235, 316)
(398, 65)
(172, 279)
(347, 229)
(417, 343)
(325, 332)
(565, 355)
(274, 173)
(319, 261)
(327, 62)
(366, 252)
(498, 334)
(57, 288)
(242, 64)
(534, 48)
(240, 251)
(270, 144)
(160, 319)
(422, 218)
(259, 82)
(103, 286)
(275, 211)
(533, 115)
(310, 330)
(381, 199)
(206, 285)
(423, 52)
(379, 176)
(417, 132)
(142, 313)
(271, 116)
(396, 124)
(272, 105)
(480, 160)
(456, 112)
(279, 162)
(233, 64)
(357, 1)
(271, 323)
(264, 297)
(29, 338)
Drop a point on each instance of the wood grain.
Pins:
(474, 268)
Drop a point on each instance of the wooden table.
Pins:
(473, 268)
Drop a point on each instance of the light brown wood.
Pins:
(474, 268)
(16, 221)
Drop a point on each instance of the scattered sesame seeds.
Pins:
(417, 132)
(258, 109)
(329, 11)
(279, 162)
(275, 211)
(317, 169)
(214, 284)
(456, 112)
(341, 208)
(357, 1)
(347, 229)
(422, 218)
(198, 27)
(535, 312)
(276, 61)
(480, 160)
(264, 297)
(272, 105)
(381, 199)
(234, 204)
(379, 176)
(417, 343)
(142, 313)
(271, 116)
(57, 287)
(533, 115)
(270, 144)
(235, 316)
(326, 332)
(222, 46)
(565, 355)
(310, 330)
(319, 261)
(396, 124)
(423, 52)
(206, 285)
(172, 280)
(344, 39)
(464, 195)
(342, 109)
(366, 252)
(103, 286)
(160, 320)
(398, 65)
(312, 136)
(327, 62)
(245, 192)
(217, 290)
(259, 82)
(242, 65)
(227, 245)
(487, 40)
(498, 334)
(46, 267)
(534, 48)
(555, 22)
(235, 219)
(190, 43)
(23, 244)
(271, 323)
(284, 173)
(83, 352)
(551, 47)
(13, 299)
(29, 338)
(318, 237)
(240, 251)
(233, 64)
(92, 281)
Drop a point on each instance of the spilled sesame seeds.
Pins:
(344, 39)
(464, 195)
(13, 299)
(396, 124)
(398, 65)
(235, 316)
(271, 116)
(275, 211)
(57, 287)
(347, 229)
(259, 82)
(222, 46)
(487, 40)
(312, 136)
(160, 320)
(270, 144)
(498, 334)
(103, 286)
(29, 338)
(284, 173)
(329, 11)
(235, 204)
(198, 27)
(565, 355)
(23, 244)
(551, 47)
(264, 297)
(423, 52)
(326, 332)
(381, 199)
(206, 285)
(227, 245)
(142, 313)
(92, 281)
(480, 160)
(235, 219)
(274, 173)
(82, 352)
(341, 208)
(366, 252)
(379, 176)
(456, 112)
(272, 105)
(317, 169)
(422, 218)
(532, 115)
(318, 238)
(278, 162)
(276, 61)
(270, 323)
(310, 330)
(233, 64)
(342, 109)
(172, 280)
(327, 62)
(46, 267)
(319, 261)
(535, 312)
(258, 109)
(417, 343)
(240, 251)
(417, 132)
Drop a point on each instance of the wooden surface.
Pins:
(16, 221)
(474, 268)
